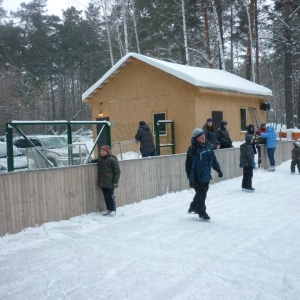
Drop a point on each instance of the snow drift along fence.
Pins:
(30, 198)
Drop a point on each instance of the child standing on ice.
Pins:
(108, 178)
(247, 163)
(295, 158)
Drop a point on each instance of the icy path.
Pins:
(155, 250)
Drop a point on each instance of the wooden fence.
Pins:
(31, 198)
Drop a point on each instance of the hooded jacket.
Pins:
(199, 161)
(270, 136)
(296, 153)
(144, 136)
(246, 154)
(210, 136)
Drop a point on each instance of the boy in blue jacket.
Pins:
(199, 161)
(270, 137)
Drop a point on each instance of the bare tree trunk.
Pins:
(256, 44)
(231, 39)
(124, 10)
(135, 27)
(104, 6)
(288, 64)
(207, 36)
(249, 64)
(219, 37)
(187, 59)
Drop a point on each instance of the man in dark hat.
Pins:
(223, 137)
(199, 161)
(144, 136)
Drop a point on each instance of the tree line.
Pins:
(47, 61)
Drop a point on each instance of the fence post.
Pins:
(157, 138)
(70, 150)
(10, 150)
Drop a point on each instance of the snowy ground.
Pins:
(155, 250)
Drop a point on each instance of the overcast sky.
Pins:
(54, 7)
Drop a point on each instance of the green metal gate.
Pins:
(16, 125)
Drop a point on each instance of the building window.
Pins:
(162, 128)
(243, 113)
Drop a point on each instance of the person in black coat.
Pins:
(223, 137)
(210, 134)
(247, 163)
(144, 136)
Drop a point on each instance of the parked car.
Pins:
(20, 159)
(53, 148)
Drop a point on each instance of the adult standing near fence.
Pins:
(199, 161)
(108, 178)
(144, 136)
(270, 137)
(223, 136)
(210, 134)
(260, 140)
(247, 163)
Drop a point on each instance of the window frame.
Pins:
(163, 132)
(243, 120)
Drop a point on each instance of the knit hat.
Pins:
(209, 120)
(263, 124)
(248, 137)
(296, 144)
(106, 149)
(142, 123)
(223, 122)
(197, 132)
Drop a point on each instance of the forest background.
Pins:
(47, 62)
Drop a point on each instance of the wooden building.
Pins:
(139, 88)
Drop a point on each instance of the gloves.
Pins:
(220, 174)
(253, 164)
(115, 185)
(192, 185)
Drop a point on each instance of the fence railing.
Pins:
(30, 198)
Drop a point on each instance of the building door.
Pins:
(103, 137)
(217, 117)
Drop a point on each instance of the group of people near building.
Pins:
(200, 160)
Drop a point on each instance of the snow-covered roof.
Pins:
(202, 77)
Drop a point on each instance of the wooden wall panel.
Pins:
(31, 198)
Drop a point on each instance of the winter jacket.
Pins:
(296, 153)
(260, 131)
(270, 136)
(144, 136)
(210, 136)
(108, 171)
(224, 138)
(199, 161)
(250, 130)
(246, 154)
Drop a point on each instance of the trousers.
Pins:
(198, 203)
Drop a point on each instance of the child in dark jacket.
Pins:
(108, 178)
(295, 158)
(247, 163)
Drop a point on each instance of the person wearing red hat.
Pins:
(108, 178)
